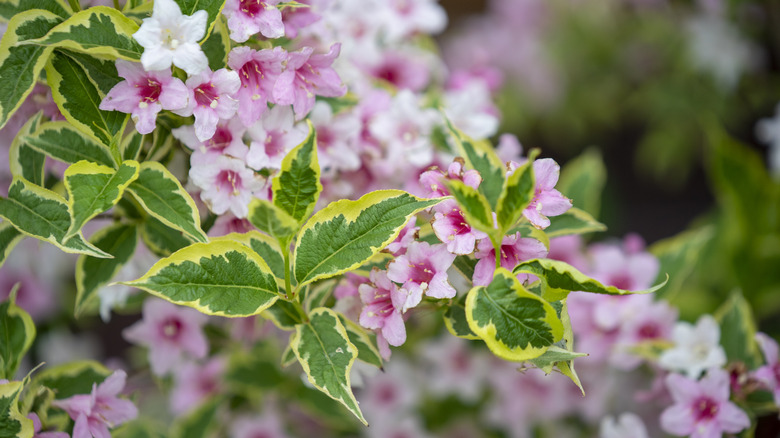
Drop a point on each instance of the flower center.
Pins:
(251, 74)
(206, 95)
(705, 408)
(171, 328)
(149, 91)
(221, 139)
(649, 331)
(252, 7)
(229, 181)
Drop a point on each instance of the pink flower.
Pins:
(513, 251)
(404, 70)
(210, 100)
(258, 72)
(451, 227)
(383, 302)
(547, 201)
(267, 425)
(248, 17)
(404, 239)
(170, 332)
(769, 374)
(94, 413)
(227, 185)
(626, 267)
(433, 179)
(272, 137)
(702, 409)
(227, 140)
(423, 269)
(195, 383)
(143, 94)
(569, 249)
(295, 19)
(308, 75)
(337, 138)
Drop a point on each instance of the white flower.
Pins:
(168, 37)
(627, 424)
(695, 348)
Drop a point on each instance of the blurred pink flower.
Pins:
(769, 374)
(194, 383)
(171, 332)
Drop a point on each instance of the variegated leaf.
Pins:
(364, 342)
(163, 197)
(78, 99)
(21, 65)
(11, 8)
(12, 423)
(93, 189)
(162, 239)
(297, 187)
(345, 234)
(9, 237)
(71, 378)
(516, 193)
(217, 278)
(61, 141)
(25, 161)
(99, 30)
(271, 219)
(474, 205)
(514, 323)
(17, 332)
(573, 221)
(43, 214)
(323, 349)
(92, 273)
(564, 278)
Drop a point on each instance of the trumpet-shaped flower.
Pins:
(210, 100)
(696, 348)
(451, 227)
(702, 409)
(95, 412)
(514, 249)
(248, 17)
(258, 71)
(423, 269)
(547, 201)
(170, 332)
(382, 305)
(433, 179)
(769, 374)
(227, 184)
(143, 94)
(169, 37)
(308, 75)
(275, 134)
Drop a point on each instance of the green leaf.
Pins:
(514, 323)
(212, 7)
(12, 422)
(218, 278)
(678, 256)
(17, 332)
(455, 319)
(78, 99)
(92, 273)
(364, 342)
(139, 429)
(345, 234)
(317, 294)
(564, 277)
(283, 314)
(11, 8)
(131, 146)
(297, 187)
(574, 221)
(163, 197)
(98, 31)
(288, 355)
(322, 347)
(481, 156)
(583, 179)
(738, 331)
(474, 205)
(200, 423)
(72, 378)
(9, 237)
(562, 353)
(217, 46)
(266, 247)
(43, 214)
(161, 239)
(25, 161)
(21, 65)
(465, 265)
(63, 142)
(271, 219)
(93, 189)
(516, 193)
(102, 73)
